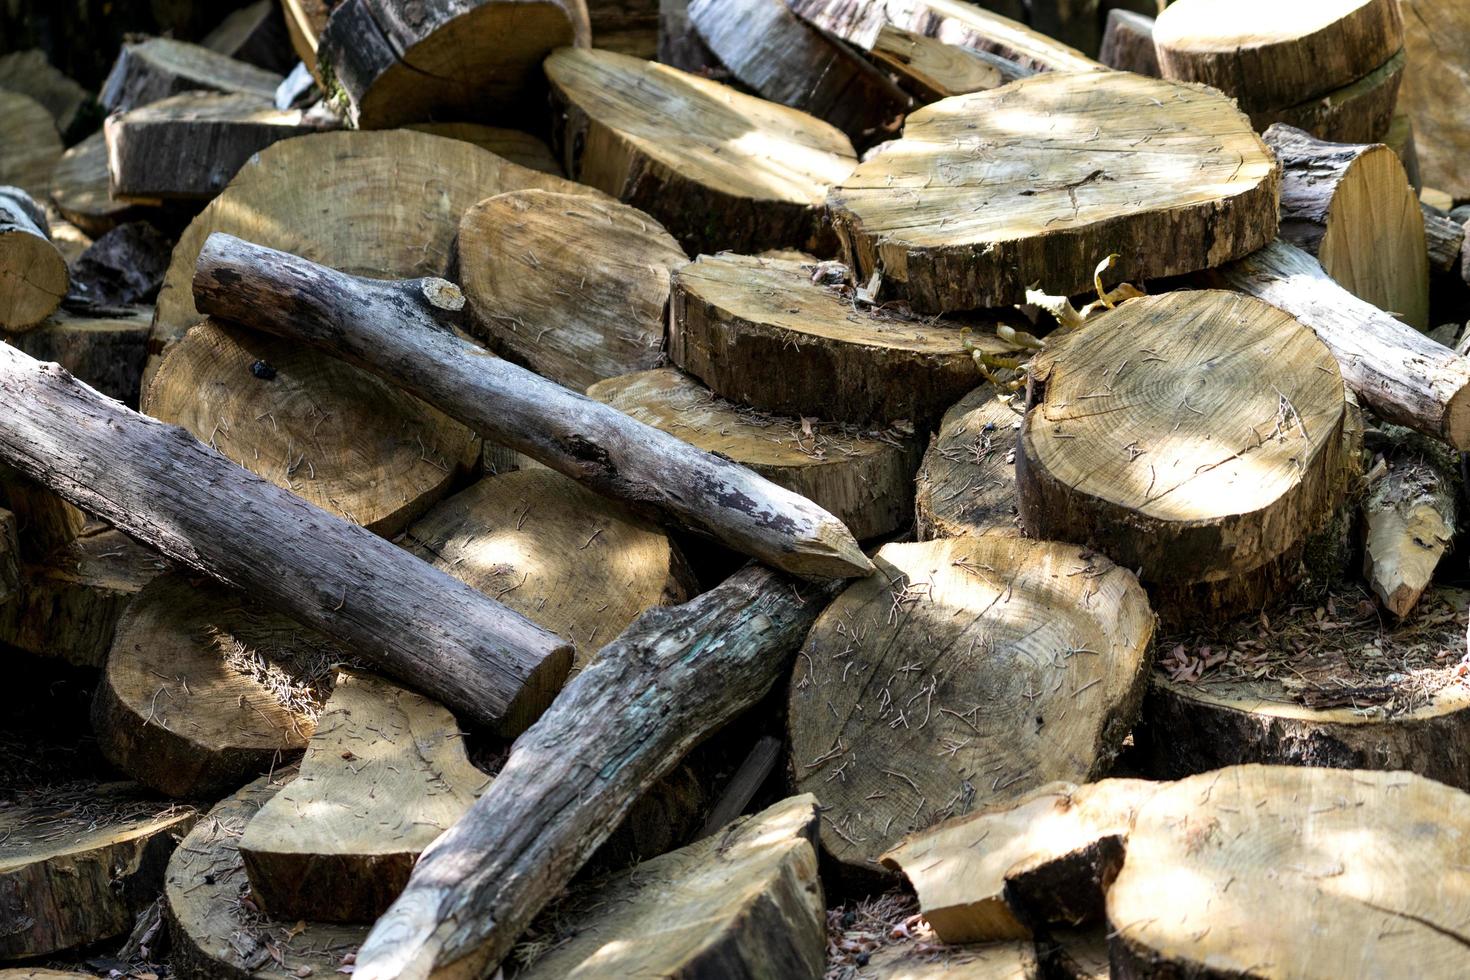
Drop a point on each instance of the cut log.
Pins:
(1255, 843)
(204, 689)
(10, 560)
(746, 902)
(385, 774)
(255, 35)
(1128, 43)
(573, 288)
(160, 484)
(107, 353)
(389, 62)
(512, 144)
(216, 935)
(189, 145)
(1410, 516)
(1400, 139)
(950, 230)
(80, 189)
(1267, 56)
(967, 484)
(31, 146)
(74, 598)
(1444, 240)
(1045, 859)
(967, 672)
(159, 67)
(381, 204)
(1358, 113)
(33, 275)
(782, 58)
(719, 169)
(30, 73)
(305, 22)
(66, 236)
(1398, 372)
(575, 563)
(122, 269)
(1437, 82)
(681, 47)
(400, 329)
(329, 432)
(735, 317)
(927, 961)
(672, 678)
(931, 70)
(79, 862)
(1350, 205)
(44, 521)
(864, 478)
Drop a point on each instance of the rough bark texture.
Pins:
(1410, 516)
(1444, 240)
(107, 353)
(1357, 113)
(159, 67)
(162, 486)
(672, 678)
(1128, 43)
(33, 274)
(400, 330)
(967, 484)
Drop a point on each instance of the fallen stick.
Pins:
(673, 677)
(399, 330)
(165, 488)
(1400, 373)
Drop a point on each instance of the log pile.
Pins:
(783, 488)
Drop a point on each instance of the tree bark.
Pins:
(1444, 241)
(33, 273)
(159, 67)
(398, 330)
(1357, 113)
(162, 486)
(1128, 43)
(673, 677)
(107, 353)
(1410, 515)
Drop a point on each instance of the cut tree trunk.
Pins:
(30, 73)
(575, 563)
(204, 689)
(782, 58)
(1444, 240)
(576, 289)
(949, 231)
(931, 70)
(255, 35)
(33, 274)
(719, 169)
(1267, 56)
(189, 145)
(44, 521)
(1128, 43)
(31, 146)
(680, 46)
(1358, 113)
(1044, 860)
(746, 902)
(519, 148)
(1436, 85)
(159, 67)
(159, 483)
(1350, 205)
(384, 774)
(762, 333)
(1265, 848)
(391, 62)
(400, 329)
(1410, 516)
(864, 478)
(120, 271)
(967, 484)
(107, 353)
(967, 672)
(333, 434)
(216, 935)
(80, 189)
(79, 862)
(1398, 372)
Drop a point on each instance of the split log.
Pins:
(159, 67)
(1436, 83)
(160, 484)
(928, 961)
(967, 672)
(389, 62)
(864, 478)
(31, 146)
(931, 70)
(576, 289)
(1358, 113)
(255, 35)
(204, 689)
(1398, 372)
(305, 22)
(519, 148)
(123, 268)
(967, 484)
(1350, 206)
(1045, 859)
(80, 189)
(74, 598)
(1400, 139)
(1254, 842)
(745, 902)
(399, 329)
(570, 561)
(382, 204)
(107, 353)
(672, 678)
(215, 934)
(33, 274)
(949, 231)
(10, 576)
(331, 433)
(385, 773)
(44, 521)
(1267, 56)
(736, 318)
(189, 145)
(1444, 239)
(1128, 43)
(30, 73)
(782, 58)
(719, 169)
(1410, 516)
(79, 862)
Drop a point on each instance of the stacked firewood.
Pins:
(735, 488)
